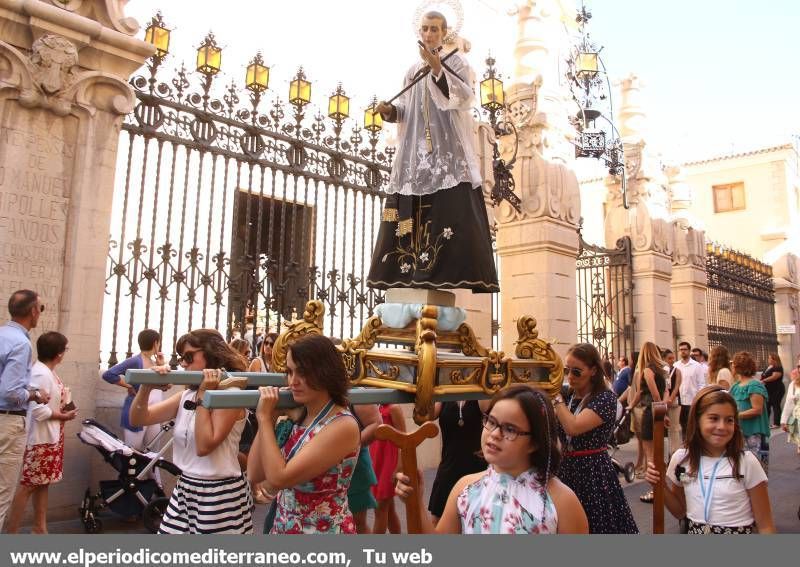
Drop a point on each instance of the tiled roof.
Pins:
(740, 155)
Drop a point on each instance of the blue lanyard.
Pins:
(328, 407)
(708, 491)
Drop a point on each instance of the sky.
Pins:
(719, 75)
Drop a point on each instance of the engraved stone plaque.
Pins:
(37, 155)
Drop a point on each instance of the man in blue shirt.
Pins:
(15, 373)
(623, 379)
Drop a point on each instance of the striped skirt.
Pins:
(201, 506)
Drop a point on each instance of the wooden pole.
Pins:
(659, 411)
(407, 443)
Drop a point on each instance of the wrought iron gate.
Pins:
(227, 216)
(605, 297)
(740, 304)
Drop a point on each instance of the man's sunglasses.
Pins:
(576, 372)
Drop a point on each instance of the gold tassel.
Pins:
(390, 215)
(405, 227)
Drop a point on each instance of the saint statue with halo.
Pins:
(434, 230)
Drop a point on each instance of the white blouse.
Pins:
(41, 427)
(221, 463)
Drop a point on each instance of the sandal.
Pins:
(647, 497)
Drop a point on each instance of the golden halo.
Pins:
(451, 9)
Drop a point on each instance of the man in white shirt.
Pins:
(692, 380)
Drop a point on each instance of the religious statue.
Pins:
(434, 231)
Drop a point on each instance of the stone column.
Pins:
(689, 279)
(63, 94)
(646, 222)
(537, 246)
(786, 276)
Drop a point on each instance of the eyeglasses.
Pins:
(576, 372)
(508, 431)
(188, 355)
(268, 343)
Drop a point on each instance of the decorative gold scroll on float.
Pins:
(427, 362)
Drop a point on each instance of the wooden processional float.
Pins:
(425, 365)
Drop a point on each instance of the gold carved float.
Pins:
(427, 362)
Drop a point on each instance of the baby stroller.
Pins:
(134, 492)
(621, 435)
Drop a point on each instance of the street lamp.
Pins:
(373, 121)
(209, 56)
(492, 96)
(586, 65)
(592, 94)
(493, 101)
(257, 77)
(338, 104)
(158, 36)
(300, 89)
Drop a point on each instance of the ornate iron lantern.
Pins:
(492, 96)
(339, 104)
(493, 101)
(158, 36)
(257, 78)
(587, 65)
(373, 121)
(300, 89)
(592, 93)
(209, 56)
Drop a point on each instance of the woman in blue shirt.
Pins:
(150, 343)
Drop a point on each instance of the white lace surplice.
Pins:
(418, 169)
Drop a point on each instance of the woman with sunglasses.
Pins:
(519, 492)
(263, 362)
(586, 421)
(212, 494)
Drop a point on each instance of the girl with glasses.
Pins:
(518, 493)
(586, 421)
(212, 494)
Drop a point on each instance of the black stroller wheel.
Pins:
(629, 472)
(153, 512)
(92, 525)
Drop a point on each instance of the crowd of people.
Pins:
(518, 463)
(720, 433)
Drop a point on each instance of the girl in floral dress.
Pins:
(43, 462)
(312, 470)
(518, 493)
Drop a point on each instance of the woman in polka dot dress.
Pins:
(586, 421)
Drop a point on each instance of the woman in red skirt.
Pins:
(43, 463)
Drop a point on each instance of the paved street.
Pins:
(784, 488)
